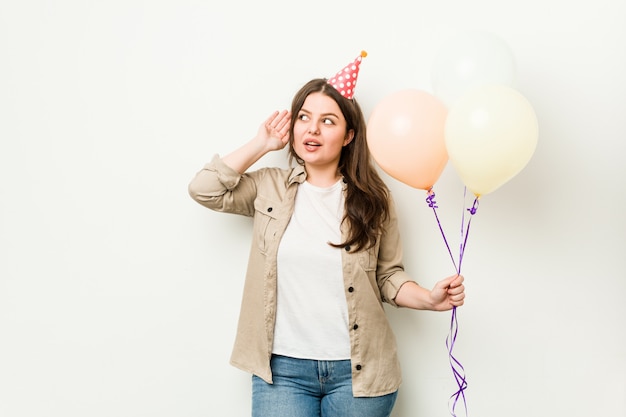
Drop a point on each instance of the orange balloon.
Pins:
(405, 134)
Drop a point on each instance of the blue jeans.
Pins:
(311, 388)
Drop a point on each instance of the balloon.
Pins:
(491, 134)
(405, 134)
(470, 60)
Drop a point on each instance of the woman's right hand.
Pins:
(273, 135)
(274, 132)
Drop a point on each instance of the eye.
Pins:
(303, 116)
(328, 121)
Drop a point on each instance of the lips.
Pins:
(311, 144)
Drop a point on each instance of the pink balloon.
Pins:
(405, 134)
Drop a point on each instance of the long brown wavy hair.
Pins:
(367, 196)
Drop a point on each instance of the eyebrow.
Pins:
(323, 114)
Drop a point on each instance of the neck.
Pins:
(322, 177)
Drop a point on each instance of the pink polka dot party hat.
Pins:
(345, 80)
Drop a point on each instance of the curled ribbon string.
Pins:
(430, 199)
(457, 368)
(472, 210)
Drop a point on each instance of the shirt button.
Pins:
(269, 209)
(347, 248)
(351, 289)
(356, 326)
(358, 367)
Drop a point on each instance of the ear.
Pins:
(349, 137)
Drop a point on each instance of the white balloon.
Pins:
(470, 60)
(490, 134)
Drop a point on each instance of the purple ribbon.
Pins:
(458, 370)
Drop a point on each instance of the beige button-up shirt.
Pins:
(371, 276)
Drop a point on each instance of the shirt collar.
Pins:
(298, 174)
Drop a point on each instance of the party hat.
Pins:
(345, 80)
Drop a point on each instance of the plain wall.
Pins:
(119, 295)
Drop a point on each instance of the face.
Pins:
(320, 132)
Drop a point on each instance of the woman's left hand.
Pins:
(448, 293)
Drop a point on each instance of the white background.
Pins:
(119, 295)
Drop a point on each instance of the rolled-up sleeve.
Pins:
(221, 188)
(390, 272)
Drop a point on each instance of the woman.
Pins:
(325, 255)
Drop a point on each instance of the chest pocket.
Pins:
(368, 259)
(266, 222)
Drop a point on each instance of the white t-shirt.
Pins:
(312, 313)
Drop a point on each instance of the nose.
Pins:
(313, 128)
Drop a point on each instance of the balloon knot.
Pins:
(431, 200)
(474, 207)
